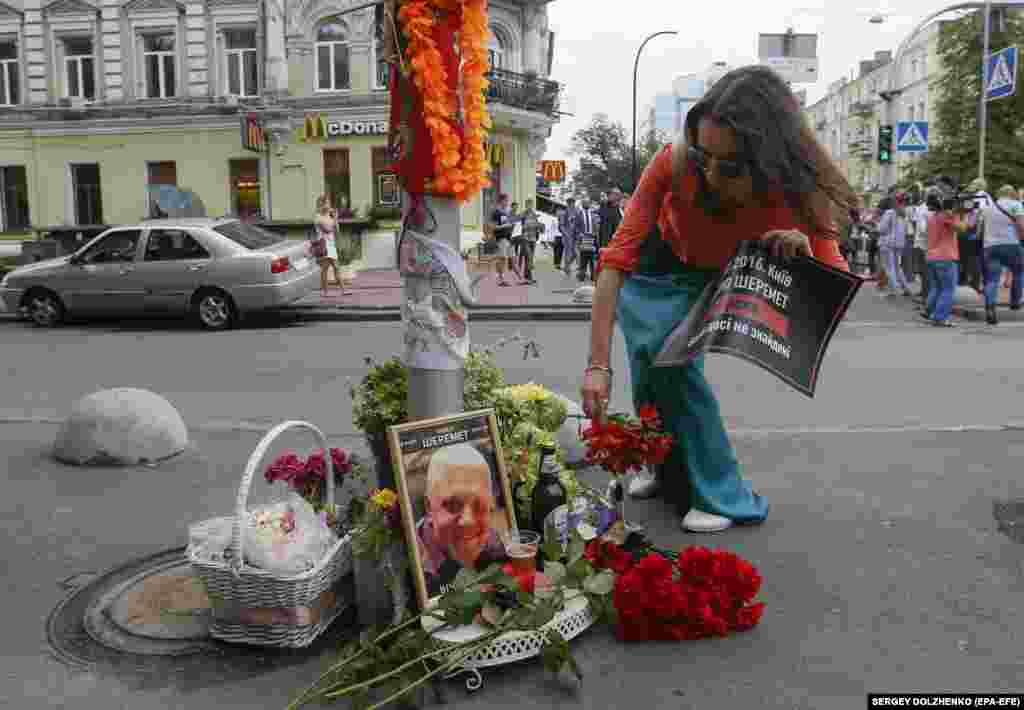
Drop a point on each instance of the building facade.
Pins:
(847, 119)
(100, 99)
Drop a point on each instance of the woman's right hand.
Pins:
(596, 393)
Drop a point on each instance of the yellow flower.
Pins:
(384, 498)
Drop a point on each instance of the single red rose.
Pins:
(525, 581)
(342, 462)
(655, 568)
(749, 616)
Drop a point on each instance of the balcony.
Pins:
(523, 91)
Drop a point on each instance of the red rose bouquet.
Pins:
(626, 443)
(700, 594)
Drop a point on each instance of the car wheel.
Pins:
(215, 310)
(44, 308)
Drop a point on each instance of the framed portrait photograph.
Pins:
(455, 496)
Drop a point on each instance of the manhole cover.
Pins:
(145, 624)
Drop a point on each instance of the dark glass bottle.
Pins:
(548, 493)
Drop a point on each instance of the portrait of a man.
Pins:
(459, 528)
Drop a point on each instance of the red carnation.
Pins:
(287, 467)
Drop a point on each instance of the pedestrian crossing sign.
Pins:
(1001, 77)
(912, 136)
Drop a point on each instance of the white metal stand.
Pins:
(513, 646)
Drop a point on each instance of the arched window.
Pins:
(332, 61)
(497, 52)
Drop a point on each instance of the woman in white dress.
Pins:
(326, 226)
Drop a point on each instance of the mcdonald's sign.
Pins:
(253, 135)
(552, 170)
(314, 127)
(495, 153)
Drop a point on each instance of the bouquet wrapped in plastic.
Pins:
(289, 537)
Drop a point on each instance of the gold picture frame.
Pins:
(444, 502)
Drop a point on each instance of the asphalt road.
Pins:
(883, 567)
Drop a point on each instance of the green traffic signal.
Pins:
(885, 144)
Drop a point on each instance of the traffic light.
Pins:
(885, 144)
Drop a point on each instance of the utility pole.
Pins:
(982, 104)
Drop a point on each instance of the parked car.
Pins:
(214, 269)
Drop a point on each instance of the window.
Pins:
(496, 52)
(910, 113)
(920, 111)
(381, 68)
(172, 245)
(248, 235)
(336, 177)
(241, 71)
(9, 88)
(158, 62)
(116, 247)
(79, 69)
(85, 182)
(913, 69)
(332, 57)
(13, 198)
(245, 188)
(162, 173)
(385, 185)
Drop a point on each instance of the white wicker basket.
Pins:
(255, 606)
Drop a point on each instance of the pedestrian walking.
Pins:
(557, 245)
(502, 226)
(569, 229)
(745, 166)
(587, 241)
(1002, 226)
(944, 225)
(611, 216)
(531, 228)
(968, 244)
(920, 218)
(892, 237)
(325, 247)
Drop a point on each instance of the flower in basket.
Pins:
(308, 477)
(625, 443)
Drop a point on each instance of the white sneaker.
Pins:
(700, 522)
(644, 485)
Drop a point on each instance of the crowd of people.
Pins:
(938, 237)
(575, 236)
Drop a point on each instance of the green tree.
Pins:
(953, 150)
(604, 156)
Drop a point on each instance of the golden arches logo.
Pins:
(314, 127)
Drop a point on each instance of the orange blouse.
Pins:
(696, 237)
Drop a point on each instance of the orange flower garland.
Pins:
(460, 168)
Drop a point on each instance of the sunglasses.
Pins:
(729, 169)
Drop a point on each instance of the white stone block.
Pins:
(121, 426)
(112, 55)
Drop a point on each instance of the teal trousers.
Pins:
(702, 471)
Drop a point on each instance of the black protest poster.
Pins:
(779, 315)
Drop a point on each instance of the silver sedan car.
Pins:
(214, 269)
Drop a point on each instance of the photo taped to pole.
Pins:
(776, 314)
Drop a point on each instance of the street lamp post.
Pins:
(636, 66)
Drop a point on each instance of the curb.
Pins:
(565, 314)
(476, 315)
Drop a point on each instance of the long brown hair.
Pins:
(776, 140)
